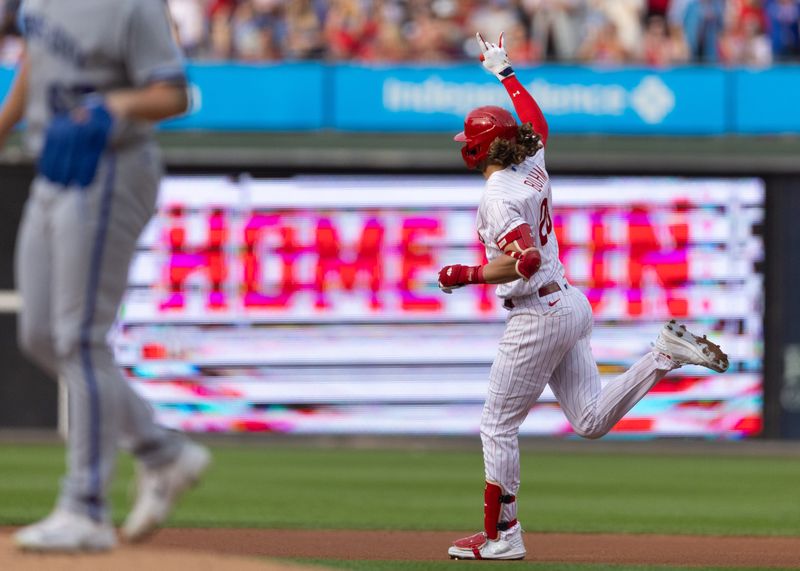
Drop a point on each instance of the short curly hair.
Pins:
(506, 153)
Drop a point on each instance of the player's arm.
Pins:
(155, 67)
(154, 102)
(518, 263)
(157, 78)
(522, 261)
(495, 60)
(14, 104)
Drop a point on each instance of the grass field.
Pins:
(393, 489)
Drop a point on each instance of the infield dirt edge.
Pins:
(139, 558)
(629, 549)
(235, 548)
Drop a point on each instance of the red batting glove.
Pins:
(456, 276)
(528, 262)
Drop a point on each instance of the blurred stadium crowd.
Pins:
(650, 32)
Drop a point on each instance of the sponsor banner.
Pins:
(240, 97)
(310, 96)
(765, 100)
(574, 99)
(6, 78)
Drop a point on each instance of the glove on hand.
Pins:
(454, 277)
(528, 262)
(74, 143)
(494, 57)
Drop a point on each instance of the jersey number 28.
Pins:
(545, 222)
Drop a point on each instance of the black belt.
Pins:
(546, 289)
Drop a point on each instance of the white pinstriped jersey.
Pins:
(547, 339)
(520, 194)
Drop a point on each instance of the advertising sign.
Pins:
(574, 99)
(310, 304)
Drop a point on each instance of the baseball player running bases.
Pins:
(94, 77)
(547, 334)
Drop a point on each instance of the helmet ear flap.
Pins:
(472, 154)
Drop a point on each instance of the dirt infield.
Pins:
(136, 559)
(225, 549)
(549, 547)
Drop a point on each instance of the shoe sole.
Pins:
(50, 549)
(469, 556)
(677, 333)
(43, 548)
(514, 558)
(191, 482)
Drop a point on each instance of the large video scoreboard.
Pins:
(309, 304)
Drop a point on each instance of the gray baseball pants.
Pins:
(73, 251)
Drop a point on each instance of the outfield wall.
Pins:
(681, 101)
(309, 97)
(309, 305)
(30, 399)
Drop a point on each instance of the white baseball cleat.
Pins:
(683, 347)
(64, 531)
(507, 546)
(160, 488)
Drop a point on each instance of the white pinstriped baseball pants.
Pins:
(550, 344)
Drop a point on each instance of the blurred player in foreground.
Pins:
(549, 325)
(95, 75)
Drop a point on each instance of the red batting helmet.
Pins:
(481, 127)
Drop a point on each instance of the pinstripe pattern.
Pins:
(514, 196)
(546, 340)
